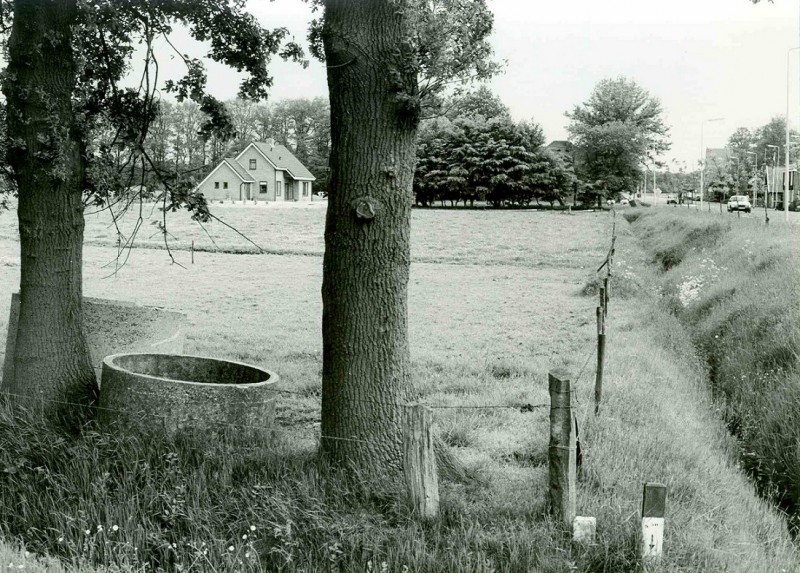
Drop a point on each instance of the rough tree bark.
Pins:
(51, 359)
(374, 117)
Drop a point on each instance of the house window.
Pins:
(262, 187)
(278, 188)
(305, 188)
(252, 164)
(225, 185)
(216, 184)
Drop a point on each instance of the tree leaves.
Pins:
(471, 157)
(615, 131)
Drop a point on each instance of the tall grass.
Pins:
(736, 284)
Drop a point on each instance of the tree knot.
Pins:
(366, 208)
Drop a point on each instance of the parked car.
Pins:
(623, 202)
(739, 203)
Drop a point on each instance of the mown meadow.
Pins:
(496, 299)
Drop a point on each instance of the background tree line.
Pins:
(474, 151)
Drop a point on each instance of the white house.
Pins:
(263, 170)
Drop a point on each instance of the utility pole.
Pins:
(703, 158)
(755, 177)
(786, 170)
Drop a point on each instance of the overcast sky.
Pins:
(702, 58)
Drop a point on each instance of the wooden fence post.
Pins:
(422, 478)
(603, 297)
(562, 452)
(116, 261)
(192, 251)
(654, 501)
(601, 353)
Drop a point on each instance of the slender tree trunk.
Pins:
(51, 359)
(374, 116)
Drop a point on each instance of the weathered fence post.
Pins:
(601, 353)
(603, 297)
(116, 261)
(654, 501)
(192, 251)
(422, 478)
(562, 452)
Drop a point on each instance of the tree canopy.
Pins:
(615, 131)
(477, 152)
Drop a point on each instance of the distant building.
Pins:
(561, 146)
(262, 170)
(566, 151)
(774, 180)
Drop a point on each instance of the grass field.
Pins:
(495, 301)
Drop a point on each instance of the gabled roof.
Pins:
(235, 166)
(560, 145)
(282, 158)
(238, 169)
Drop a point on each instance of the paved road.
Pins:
(757, 213)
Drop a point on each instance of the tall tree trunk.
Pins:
(374, 116)
(51, 359)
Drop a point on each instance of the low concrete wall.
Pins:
(114, 326)
(162, 392)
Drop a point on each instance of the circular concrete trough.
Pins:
(170, 392)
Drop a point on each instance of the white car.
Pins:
(739, 203)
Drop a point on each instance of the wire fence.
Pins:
(166, 420)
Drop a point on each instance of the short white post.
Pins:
(654, 501)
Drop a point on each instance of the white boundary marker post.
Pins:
(654, 501)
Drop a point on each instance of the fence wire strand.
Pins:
(522, 407)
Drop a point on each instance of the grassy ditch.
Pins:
(483, 336)
(736, 285)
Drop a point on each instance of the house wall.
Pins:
(300, 190)
(264, 171)
(278, 177)
(222, 175)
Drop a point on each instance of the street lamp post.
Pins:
(735, 181)
(786, 170)
(755, 177)
(655, 197)
(703, 158)
(775, 156)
